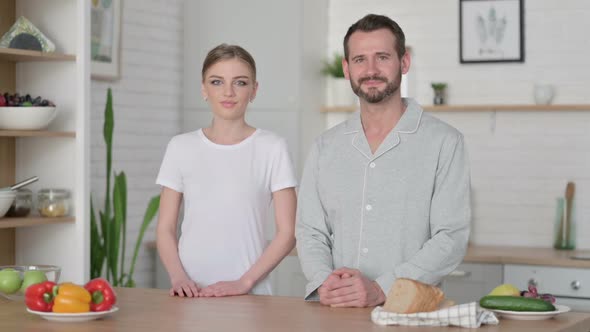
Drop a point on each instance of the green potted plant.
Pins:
(439, 92)
(333, 68)
(108, 239)
(338, 92)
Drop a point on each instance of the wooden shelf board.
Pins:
(478, 108)
(515, 108)
(33, 221)
(17, 55)
(36, 133)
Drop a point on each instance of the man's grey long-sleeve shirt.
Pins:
(403, 211)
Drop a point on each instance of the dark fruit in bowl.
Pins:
(16, 100)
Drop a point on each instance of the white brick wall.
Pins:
(147, 106)
(520, 160)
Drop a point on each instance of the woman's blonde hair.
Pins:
(227, 52)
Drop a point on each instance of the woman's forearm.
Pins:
(166, 234)
(285, 202)
(168, 250)
(278, 248)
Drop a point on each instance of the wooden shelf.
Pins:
(507, 108)
(33, 221)
(17, 55)
(477, 108)
(36, 133)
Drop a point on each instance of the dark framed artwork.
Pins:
(491, 31)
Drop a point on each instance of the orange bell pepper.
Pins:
(71, 298)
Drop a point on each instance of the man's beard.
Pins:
(374, 96)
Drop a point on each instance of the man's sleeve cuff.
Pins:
(385, 281)
(311, 288)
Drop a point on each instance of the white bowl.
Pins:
(26, 117)
(6, 199)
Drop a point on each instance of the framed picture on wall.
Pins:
(105, 31)
(491, 31)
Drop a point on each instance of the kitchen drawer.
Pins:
(558, 281)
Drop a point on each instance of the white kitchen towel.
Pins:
(464, 315)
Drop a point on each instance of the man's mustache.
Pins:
(373, 78)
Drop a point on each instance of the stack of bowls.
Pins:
(6, 199)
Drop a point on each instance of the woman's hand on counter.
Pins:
(227, 288)
(184, 288)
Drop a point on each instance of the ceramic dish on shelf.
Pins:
(531, 315)
(26, 118)
(6, 199)
(72, 318)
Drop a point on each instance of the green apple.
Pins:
(9, 281)
(32, 277)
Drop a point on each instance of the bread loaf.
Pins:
(408, 296)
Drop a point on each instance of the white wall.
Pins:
(520, 160)
(286, 39)
(147, 106)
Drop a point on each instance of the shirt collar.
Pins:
(407, 124)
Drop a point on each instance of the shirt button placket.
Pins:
(368, 207)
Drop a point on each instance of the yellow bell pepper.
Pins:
(71, 298)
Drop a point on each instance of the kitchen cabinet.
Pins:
(59, 155)
(470, 281)
(570, 286)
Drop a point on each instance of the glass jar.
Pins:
(53, 202)
(22, 204)
(565, 226)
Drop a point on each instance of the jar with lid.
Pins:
(53, 202)
(22, 204)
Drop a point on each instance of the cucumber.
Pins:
(515, 303)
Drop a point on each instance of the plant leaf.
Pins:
(107, 131)
(116, 228)
(96, 246)
(150, 213)
(121, 183)
(105, 224)
(334, 68)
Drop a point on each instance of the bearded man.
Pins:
(386, 194)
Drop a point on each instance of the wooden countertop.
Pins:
(153, 310)
(527, 256)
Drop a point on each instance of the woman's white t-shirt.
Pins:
(227, 192)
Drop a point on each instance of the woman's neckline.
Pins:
(227, 146)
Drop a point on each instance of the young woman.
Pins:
(227, 174)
